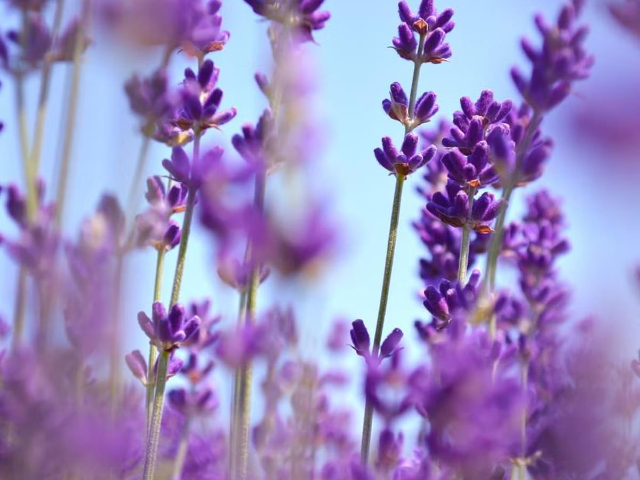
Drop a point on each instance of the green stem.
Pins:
(511, 184)
(233, 427)
(67, 145)
(19, 308)
(43, 95)
(239, 465)
(153, 351)
(153, 438)
(161, 379)
(114, 357)
(384, 296)
(29, 172)
(367, 423)
(182, 251)
(186, 229)
(181, 454)
(522, 466)
(136, 183)
(417, 64)
(463, 264)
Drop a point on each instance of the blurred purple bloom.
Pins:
(302, 16)
(560, 61)
(449, 298)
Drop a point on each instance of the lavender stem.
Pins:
(43, 95)
(181, 454)
(367, 423)
(72, 109)
(153, 351)
(463, 264)
(19, 308)
(153, 437)
(496, 239)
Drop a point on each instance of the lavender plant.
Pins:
(502, 383)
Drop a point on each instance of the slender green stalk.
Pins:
(464, 256)
(153, 438)
(43, 95)
(21, 291)
(233, 428)
(153, 351)
(522, 465)
(136, 183)
(367, 423)
(240, 460)
(67, 145)
(115, 353)
(182, 251)
(29, 172)
(181, 454)
(463, 264)
(19, 308)
(384, 296)
(496, 238)
(417, 64)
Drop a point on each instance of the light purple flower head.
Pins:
(302, 16)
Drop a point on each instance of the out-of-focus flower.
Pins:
(560, 61)
(137, 365)
(627, 14)
(302, 16)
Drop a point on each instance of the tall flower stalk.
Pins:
(431, 29)
(153, 437)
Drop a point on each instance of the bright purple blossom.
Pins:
(362, 343)
(168, 331)
(454, 208)
(398, 107)
(430, 26)
(406, 160)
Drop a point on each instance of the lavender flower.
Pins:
(561, 61)
(453, 208)
(137, 365)
(192, 174)
(398, 107)
(407, 160)
(362, 346)
(627, 14)
(431, 27)
(168, 331)
(302, 16)
(201, 100)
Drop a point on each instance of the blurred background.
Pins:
(594, 166)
